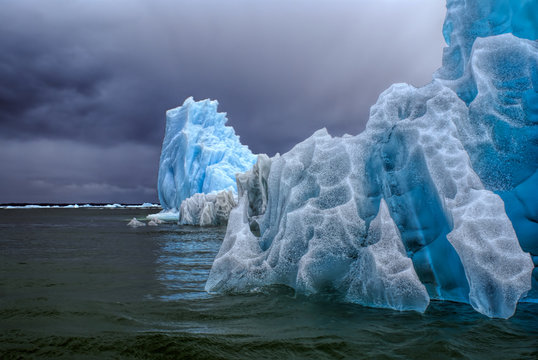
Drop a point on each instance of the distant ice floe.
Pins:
(135, 223)
(155, 222)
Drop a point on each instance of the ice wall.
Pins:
(420, 186)
(199, 153)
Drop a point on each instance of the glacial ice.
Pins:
(171, 215)
(435, 199)
(134, 223)
(211, 209)
(492, 64)
(325, 199)
(199, 154)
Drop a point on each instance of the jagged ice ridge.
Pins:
(199, 154)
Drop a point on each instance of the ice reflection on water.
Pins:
(185, 256)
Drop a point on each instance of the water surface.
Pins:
(80, 284)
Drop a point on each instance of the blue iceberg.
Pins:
(492, 64)
(436, 199)
(199, 154)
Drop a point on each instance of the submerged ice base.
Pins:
(436, 199)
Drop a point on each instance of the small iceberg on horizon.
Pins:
(135, 223)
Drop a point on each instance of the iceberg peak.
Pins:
(199, 153)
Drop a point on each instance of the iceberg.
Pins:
(436, 199)
(171, 215)
(199, 154)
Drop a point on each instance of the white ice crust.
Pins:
(328, 215)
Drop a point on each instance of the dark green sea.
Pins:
(80, 284)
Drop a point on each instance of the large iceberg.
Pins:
(436, 199)
(199, 154)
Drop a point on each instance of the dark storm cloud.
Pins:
(102, 73)
(69, 172)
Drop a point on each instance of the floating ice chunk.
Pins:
(135, 223)
(165, 215)
(146, 205)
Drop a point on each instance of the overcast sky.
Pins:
(84, 85)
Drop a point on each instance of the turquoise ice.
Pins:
(436, 199)
(199, 153)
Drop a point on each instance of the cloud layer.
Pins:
(94, 77)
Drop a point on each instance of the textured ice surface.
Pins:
(497, 76)
(436, 156)
(199, 153)
(467, 20)
(383, 275)
(411, 208)
(324, 225)
(207, 209)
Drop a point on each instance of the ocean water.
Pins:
(80, 284)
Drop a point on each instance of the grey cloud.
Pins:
(67, 172)
(103, 73)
